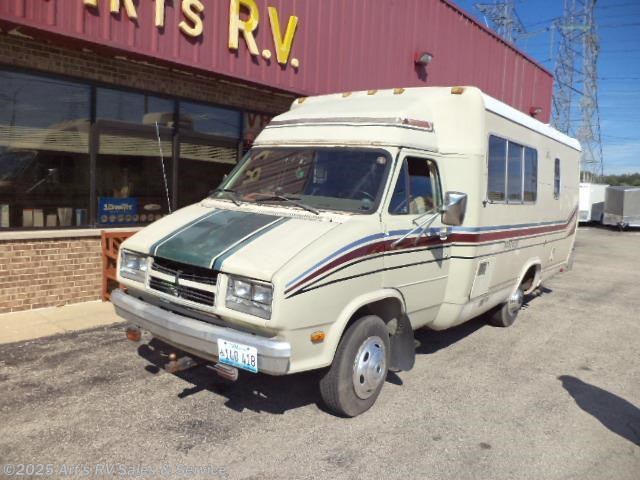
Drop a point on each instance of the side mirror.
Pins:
(455, 206)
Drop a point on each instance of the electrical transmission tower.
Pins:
(504, 19)
(589, 131)
(576, 76)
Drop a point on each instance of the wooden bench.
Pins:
(111, 242)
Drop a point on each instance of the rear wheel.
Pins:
(505, 314)
(354, 380)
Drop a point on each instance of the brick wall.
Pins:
(76, 62)
(49, 272)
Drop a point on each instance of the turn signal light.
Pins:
(317, 337)
(133, 334)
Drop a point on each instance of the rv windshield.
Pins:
(340, 179)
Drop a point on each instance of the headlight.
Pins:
(249, 297)
(133, 265)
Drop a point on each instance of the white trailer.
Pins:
(591, 202)
(622, 207)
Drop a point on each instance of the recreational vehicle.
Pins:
(355, 219)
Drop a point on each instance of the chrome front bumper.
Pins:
(197, 337)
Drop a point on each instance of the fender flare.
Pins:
(402, 355)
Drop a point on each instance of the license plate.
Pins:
(238, 355)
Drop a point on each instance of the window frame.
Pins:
(524, 147)
(404, 167)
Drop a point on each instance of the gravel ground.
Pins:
(556, 396)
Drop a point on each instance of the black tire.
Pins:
(337, 386)
(504, 315)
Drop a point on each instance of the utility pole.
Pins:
(504, 19)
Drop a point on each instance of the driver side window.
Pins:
(417, 189)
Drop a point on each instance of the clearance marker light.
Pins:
(372, 92)
(398, 91)
(346, 94)
(457, 90)
(301, 99)
(317, 337)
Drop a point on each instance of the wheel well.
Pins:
(529, 279)
(387, 309)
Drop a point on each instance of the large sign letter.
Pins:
(160, 13)
(192, 10)
(114, 7)
(236, 25)
(283, 46)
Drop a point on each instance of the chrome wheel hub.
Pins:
(369, 367)
(515, 302)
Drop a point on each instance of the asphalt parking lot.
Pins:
(556, 396)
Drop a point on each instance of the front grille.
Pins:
(186, 271)
(181, 291)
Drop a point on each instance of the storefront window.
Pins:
(49, 138)
(202, 167)
(44, 152)
(220, 122)
(133, 181)
(133, 107)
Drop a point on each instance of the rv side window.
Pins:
(497, 169)
(556, 179)
(513, 172)
(530, 174)
(417, 189)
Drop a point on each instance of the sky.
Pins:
(618, 27)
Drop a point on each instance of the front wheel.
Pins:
(354, 380)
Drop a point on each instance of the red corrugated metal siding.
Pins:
(342, 45)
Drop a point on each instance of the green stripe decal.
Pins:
(203, 241)
(217, 265)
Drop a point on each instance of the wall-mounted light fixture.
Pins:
(422, 58)
(535, 111)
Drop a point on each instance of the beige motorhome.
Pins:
(356, 219)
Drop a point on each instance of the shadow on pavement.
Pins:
(615, 413)
(264, 393)
(258, 393)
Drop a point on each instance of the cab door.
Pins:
(416, 259)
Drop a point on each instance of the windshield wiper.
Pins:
(233, 196)
(287, 198)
